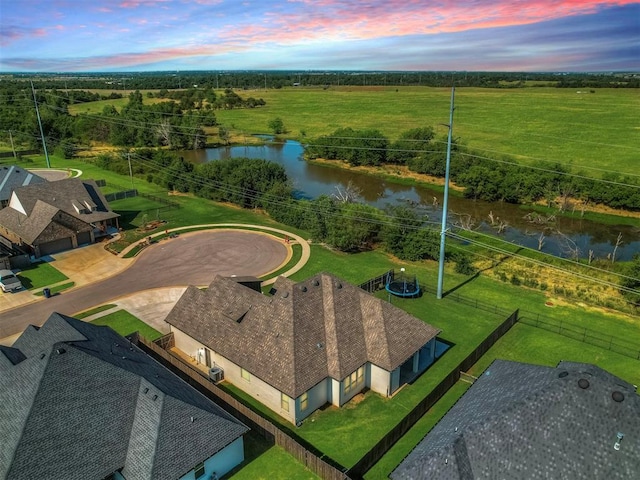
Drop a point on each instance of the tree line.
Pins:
(341, 223)
(177, 123)
(500, 179)
(279, 79)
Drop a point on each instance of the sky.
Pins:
(471, 35)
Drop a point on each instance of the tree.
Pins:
(224, 135)
(277, 126)
(410, 145)
(354, 228)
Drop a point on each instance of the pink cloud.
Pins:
(12, 33)
(351, 19)
(142, 3)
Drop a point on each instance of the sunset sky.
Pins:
(492, 35)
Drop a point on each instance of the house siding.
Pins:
(380, 380)
(221, 463)
(257, 388)
(316, 397)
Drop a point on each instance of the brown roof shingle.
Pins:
(307, 331)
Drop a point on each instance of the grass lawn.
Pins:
(40, 275)
(522, 343)
(125, 323)
(57, 289)
(532, 123)
(264, 461)
(93, 311)
(403, 447)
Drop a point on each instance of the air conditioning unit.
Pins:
(216, 374)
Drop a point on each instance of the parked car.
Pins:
(9, 282)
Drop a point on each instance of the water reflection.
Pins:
(311, 181)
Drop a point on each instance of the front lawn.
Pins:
(124, 324)
(39, 275)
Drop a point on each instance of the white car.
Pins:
(9, 282)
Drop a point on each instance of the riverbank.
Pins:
(402, 175)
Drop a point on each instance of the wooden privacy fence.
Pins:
(383, 446)
(243, 413)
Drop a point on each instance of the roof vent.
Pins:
(316, 282)
(154, 398)
(303, 288)
(319, 345)
(619, 437)
(145, 390)
(338, 285)
(583, 383)
(563, 374)
(285, 294)
(617, 396)
(192, 419)
(60, 351)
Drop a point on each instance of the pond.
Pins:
(560, 236)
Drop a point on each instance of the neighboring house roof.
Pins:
(79, 401)
(307, 331)
(79, 198)
(522, 421)
(12, 177)
(46, 223)
(53, 210)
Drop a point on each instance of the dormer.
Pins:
(79, 207)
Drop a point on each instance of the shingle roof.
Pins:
(84, 402)
(307, 331)
(52, 210)
(68, 195)
(12, 177)
(45, 223)
(528, 421)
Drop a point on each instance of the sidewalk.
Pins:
(81, 266)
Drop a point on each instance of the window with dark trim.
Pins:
(199, 470)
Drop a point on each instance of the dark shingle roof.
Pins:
(54, 210)
(68, 195)
(528, 421)
(12, 177)
(308, 331)
(84, 403)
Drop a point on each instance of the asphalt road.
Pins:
(190, 259)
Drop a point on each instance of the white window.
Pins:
(284, 402)
(304, 401)
(245, 375)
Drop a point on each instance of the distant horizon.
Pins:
(126, 36)
(324, 71)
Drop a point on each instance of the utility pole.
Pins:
(130, 170)
(44, 144)
(13, 148)
(443, 231)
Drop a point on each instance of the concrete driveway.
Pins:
(190, 259)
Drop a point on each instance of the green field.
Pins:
(598, 129)
(589, 129)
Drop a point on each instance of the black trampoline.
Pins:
(403, 285)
